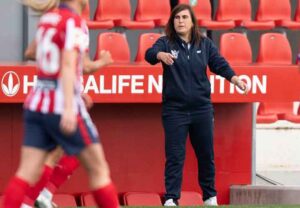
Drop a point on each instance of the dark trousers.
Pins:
(199, 125)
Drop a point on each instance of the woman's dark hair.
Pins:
(170, 30)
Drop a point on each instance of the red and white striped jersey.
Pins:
(58, 30)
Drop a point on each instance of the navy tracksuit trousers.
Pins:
(199, 126)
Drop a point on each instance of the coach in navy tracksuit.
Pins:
(187, 107)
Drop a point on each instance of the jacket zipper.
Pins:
(187, 50)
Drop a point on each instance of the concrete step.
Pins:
(263, 195)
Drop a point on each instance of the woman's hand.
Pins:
(243, 86)
(240, 84)
(167, 58)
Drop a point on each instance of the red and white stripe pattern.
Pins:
(71, 33)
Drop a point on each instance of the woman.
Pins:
(54, 111)
(187, 107)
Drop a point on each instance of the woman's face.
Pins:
(183, 22)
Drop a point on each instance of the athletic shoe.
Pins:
(212, 201)
(170, 203)
(44, 202)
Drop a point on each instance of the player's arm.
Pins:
(91, 66)
(30, 51)
(69, 56)
(68, 76)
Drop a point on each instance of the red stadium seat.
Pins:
(203, 13)
(119, 12)
(142, 199)
(146, 40)
(189, 198)
(274, 49)
(278, 11)
(105, 24)
(271, 112)
(236, 48)
(64, 200)
(117, 44)
(88, 200)
(240, 12)
(153, 10)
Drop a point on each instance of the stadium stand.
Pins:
(155, 10)
(275, 49)
(240, 12)
(146, 40)
(113, 42)
(142, 199)
(120, 13)
(203, 12)
(104, 24)
(236, 48)
(271, 112)
(188, 198)
(277, 10)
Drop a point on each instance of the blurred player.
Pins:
(51, 179)
(65, 167)
(54, 108)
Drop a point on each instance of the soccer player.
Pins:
(54, 175)
(54, 112)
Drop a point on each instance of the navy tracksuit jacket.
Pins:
(187, 108)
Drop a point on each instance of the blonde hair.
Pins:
(41, 6)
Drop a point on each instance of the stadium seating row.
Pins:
(129, 199)
(272, 112)
(235, 47)
(113, 42)
(274, 50)
(230, 14)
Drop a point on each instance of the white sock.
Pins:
(45, 193)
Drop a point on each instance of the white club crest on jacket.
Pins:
(175, 53)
